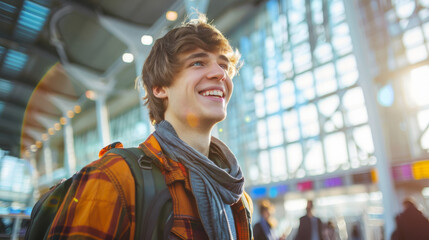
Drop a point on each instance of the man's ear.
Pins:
(160, 92)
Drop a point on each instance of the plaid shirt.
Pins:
(100, 203)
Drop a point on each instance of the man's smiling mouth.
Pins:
(212, 93)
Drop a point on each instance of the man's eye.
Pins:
(198, 63)
(224, 66)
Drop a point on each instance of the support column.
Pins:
(47, 158)
(69, 154)
(16, 226)
(65, 105)
(103, 127)
(34, 180)
(385, 180)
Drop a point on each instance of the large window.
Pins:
(398, 37)
(15, 175)
(87, 145)
(297, 109)
(127, 128)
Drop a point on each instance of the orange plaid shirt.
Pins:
(100, 203)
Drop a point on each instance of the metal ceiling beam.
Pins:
(131, 34)
(13, 127)
(66, 9)
(90, 79)
(62, 102)
(12, 113)
(5, 138)
(19, 7)
(22, 82)
(12, 103)
(35, 133)
(10, 42)
(46, 120)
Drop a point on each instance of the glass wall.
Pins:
(127, 128)
(15, 175)
(297, 109)
(398, 37)
(87, 145)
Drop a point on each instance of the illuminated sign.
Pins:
(305, 186)
(333, 182)
(278, 190)
(421, 169)
(402, 172)
(258, 192)
(362, 178)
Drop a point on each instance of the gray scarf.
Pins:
(212, 186)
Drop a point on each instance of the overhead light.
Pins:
(45, 137)
(57, 126)
(33, 148)
(128, 57)
(51, 131)
(147, 39)
(70, 114)
(171, 16)
(39, 144)
(63, 121)
(77, 109)
(90, 95)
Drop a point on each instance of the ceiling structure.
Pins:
(53, 51)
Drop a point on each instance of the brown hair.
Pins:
(163, 60)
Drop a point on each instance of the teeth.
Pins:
(216, 93)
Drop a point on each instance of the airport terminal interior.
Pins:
(331, 102)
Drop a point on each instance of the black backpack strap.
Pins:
(143, 180)
(149, 178)
(151, 219)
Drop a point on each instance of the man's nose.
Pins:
(216, 72)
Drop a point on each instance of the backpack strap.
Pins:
(148, 178)
(151, 219)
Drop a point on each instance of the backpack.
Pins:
(153, 200)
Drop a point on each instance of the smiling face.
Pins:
(200, 92)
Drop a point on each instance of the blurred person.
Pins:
(356, 233)
(329, 231)
(188, 81)
(411, 223)
(310, 226)
(264, 229)
(3, 226)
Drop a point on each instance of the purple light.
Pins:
(402, 172)
(333, 182)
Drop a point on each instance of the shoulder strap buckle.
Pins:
(145, 162)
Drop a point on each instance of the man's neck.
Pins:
(197, 138)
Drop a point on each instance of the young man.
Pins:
(188, 81)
